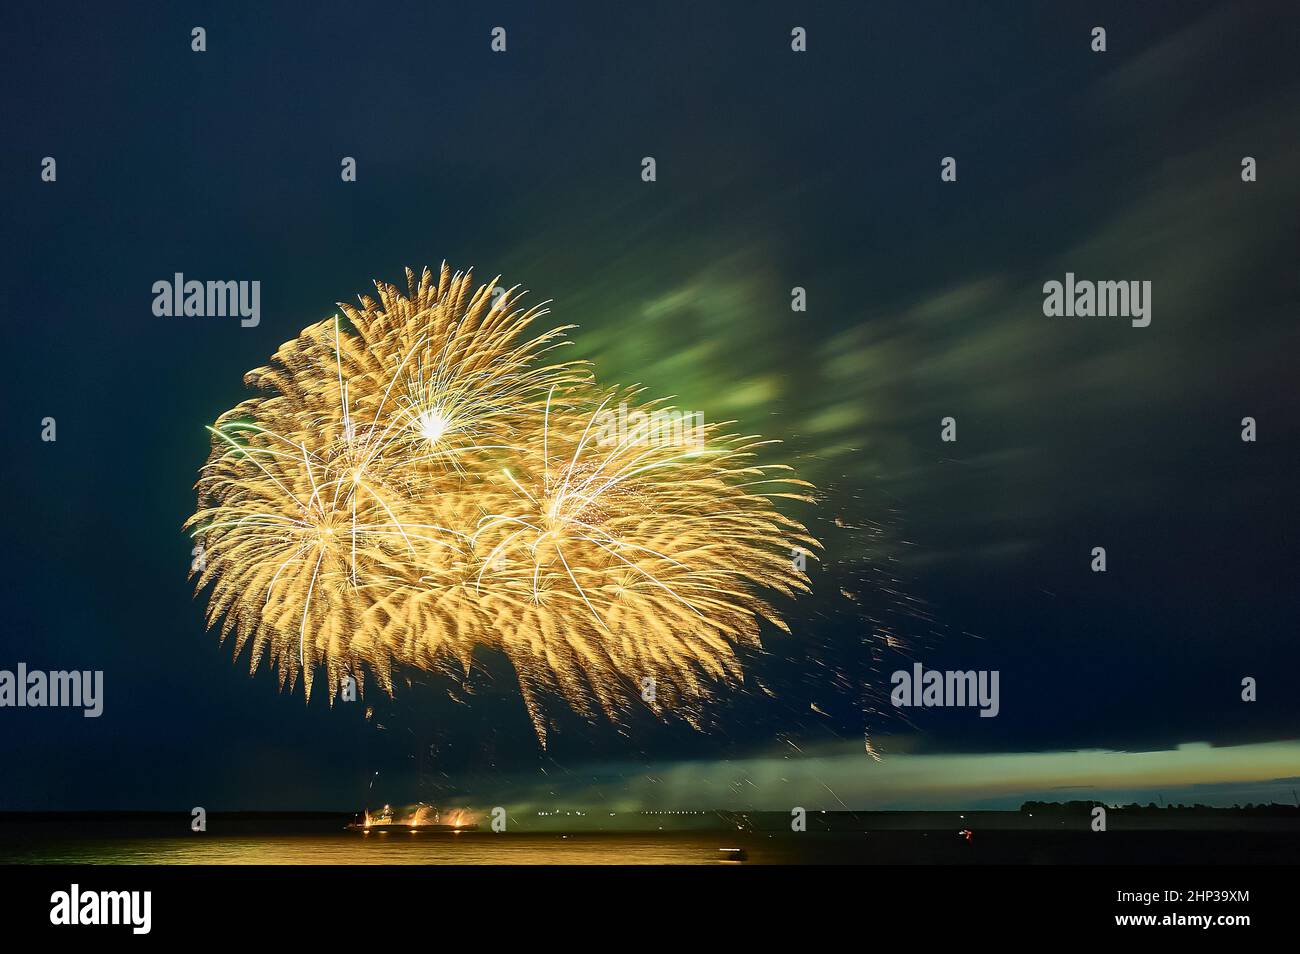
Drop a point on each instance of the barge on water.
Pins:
(421, 818)
(386, 827)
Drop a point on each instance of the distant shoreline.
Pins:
(1033, 816)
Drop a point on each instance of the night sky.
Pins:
(775, 169)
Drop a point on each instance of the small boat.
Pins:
(732, 854)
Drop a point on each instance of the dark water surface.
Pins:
(43, 844)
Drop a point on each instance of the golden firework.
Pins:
(420, 478)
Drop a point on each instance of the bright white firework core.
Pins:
(431, 425)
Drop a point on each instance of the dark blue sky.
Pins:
(775, 169)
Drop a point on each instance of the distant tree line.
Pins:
(1151, 808)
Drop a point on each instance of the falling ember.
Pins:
(419, 479)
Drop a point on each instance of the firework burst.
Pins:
(421, 477)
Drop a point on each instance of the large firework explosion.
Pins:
(420, 477)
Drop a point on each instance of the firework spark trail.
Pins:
(419, 478)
